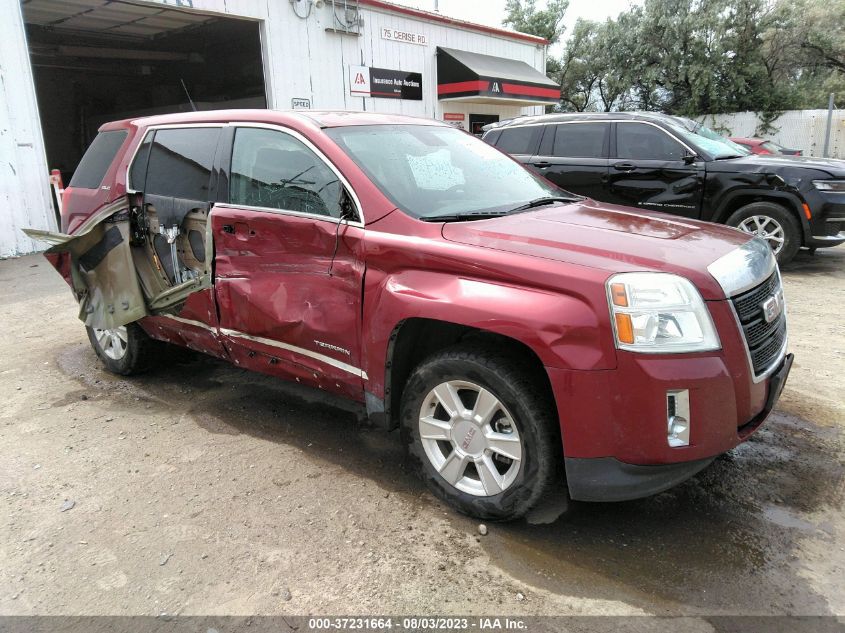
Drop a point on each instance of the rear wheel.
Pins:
(772, 223)
(480, 430)
(123, 350)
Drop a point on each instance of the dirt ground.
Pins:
(203, 489)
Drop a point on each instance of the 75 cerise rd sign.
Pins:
(403, 36)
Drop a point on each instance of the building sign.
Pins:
(454, 116)
(365, 81)
(395, 35)
(298, 103)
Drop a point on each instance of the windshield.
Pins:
(431, 171)
(702, 136)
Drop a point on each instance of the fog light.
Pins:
(677, 417)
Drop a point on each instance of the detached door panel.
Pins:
(288, 276)
(574, 157)
(649, 172)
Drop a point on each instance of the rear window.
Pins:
(180, 163)
(581, 140)
(518, 140)
(93, 166)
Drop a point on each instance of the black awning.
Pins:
(466, 76)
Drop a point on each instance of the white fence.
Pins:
(796, 129)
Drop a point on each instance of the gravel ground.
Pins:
(203, 489)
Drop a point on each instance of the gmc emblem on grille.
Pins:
(772, 307)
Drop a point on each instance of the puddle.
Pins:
(714, 544)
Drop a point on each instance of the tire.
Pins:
(772, 222)
(524, 408)
(125, 350)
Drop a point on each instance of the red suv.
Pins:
(519, 336)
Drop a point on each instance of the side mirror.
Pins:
(690, 157)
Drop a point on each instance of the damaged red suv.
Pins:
(522, 338)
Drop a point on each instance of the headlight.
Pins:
(659, 313)
(830, 185)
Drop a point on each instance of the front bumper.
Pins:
(608, 479)
(826, 227)
(611, 479)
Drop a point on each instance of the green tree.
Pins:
(694, 57)
(525, 17)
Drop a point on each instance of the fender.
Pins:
(563, 330)
(790, 199)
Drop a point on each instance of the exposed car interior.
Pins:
(169, 211)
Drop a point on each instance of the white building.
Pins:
(69, 65)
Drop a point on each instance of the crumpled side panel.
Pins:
(101, 271)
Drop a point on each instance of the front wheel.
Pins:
(480, 429)
(772, 223)
(123, 350)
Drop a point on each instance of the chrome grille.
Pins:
(764, 340)
(749, 304)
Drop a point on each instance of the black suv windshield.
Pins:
(705, 138)
(431, 171)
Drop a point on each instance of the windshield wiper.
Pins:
(460, 217)
(482, 215)
(539, 202)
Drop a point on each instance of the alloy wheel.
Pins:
(113, 342)
(766, 228)
(470, 438)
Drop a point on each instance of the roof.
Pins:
(320, 118)
(585, 116)
(462, 24)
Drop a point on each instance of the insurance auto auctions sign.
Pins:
(365, 81)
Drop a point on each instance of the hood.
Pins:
(609, 237)
(834, 167)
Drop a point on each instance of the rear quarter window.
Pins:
(94, 164)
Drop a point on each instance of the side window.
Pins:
(138, 169)
(180, 162)
(581, 140)
(646, 142)
(519, 140)
(94, 164)
(273, 169)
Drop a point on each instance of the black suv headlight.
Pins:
(837, 186)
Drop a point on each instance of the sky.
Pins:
(492, 12)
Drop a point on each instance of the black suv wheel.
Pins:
(773, 223)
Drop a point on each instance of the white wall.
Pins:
(24, 191)
(301, 59)
(795, 129)
(331, 54)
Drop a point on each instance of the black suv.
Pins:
(675, 165)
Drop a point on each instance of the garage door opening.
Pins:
(100, 60)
